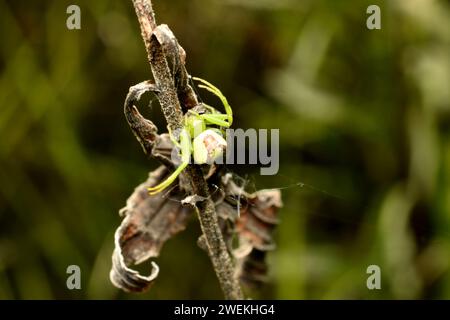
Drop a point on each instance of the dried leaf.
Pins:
(258, 218)
(149, 222)
(253, 227)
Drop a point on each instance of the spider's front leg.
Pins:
(219, 119)
(185, 150)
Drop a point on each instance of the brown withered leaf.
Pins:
(255, 227)
(253, 218)
(149, 222)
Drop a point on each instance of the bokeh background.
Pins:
(364, 121)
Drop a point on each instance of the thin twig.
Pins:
(169, 99)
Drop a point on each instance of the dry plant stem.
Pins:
(168, 98)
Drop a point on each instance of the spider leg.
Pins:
(217, 119)
(163, 185)
(185, 146)
(220, 116)
(174, 141)
(213, 89)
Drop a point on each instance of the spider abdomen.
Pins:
(208, 146)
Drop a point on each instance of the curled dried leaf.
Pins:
(255, 227)
(125, 278)
(176, 56)
(258, 218)
(149, 222)
(253, 218)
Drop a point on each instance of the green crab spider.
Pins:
(199, 137)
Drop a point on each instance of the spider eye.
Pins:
(208, 146)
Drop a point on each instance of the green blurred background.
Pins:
(364, 122)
